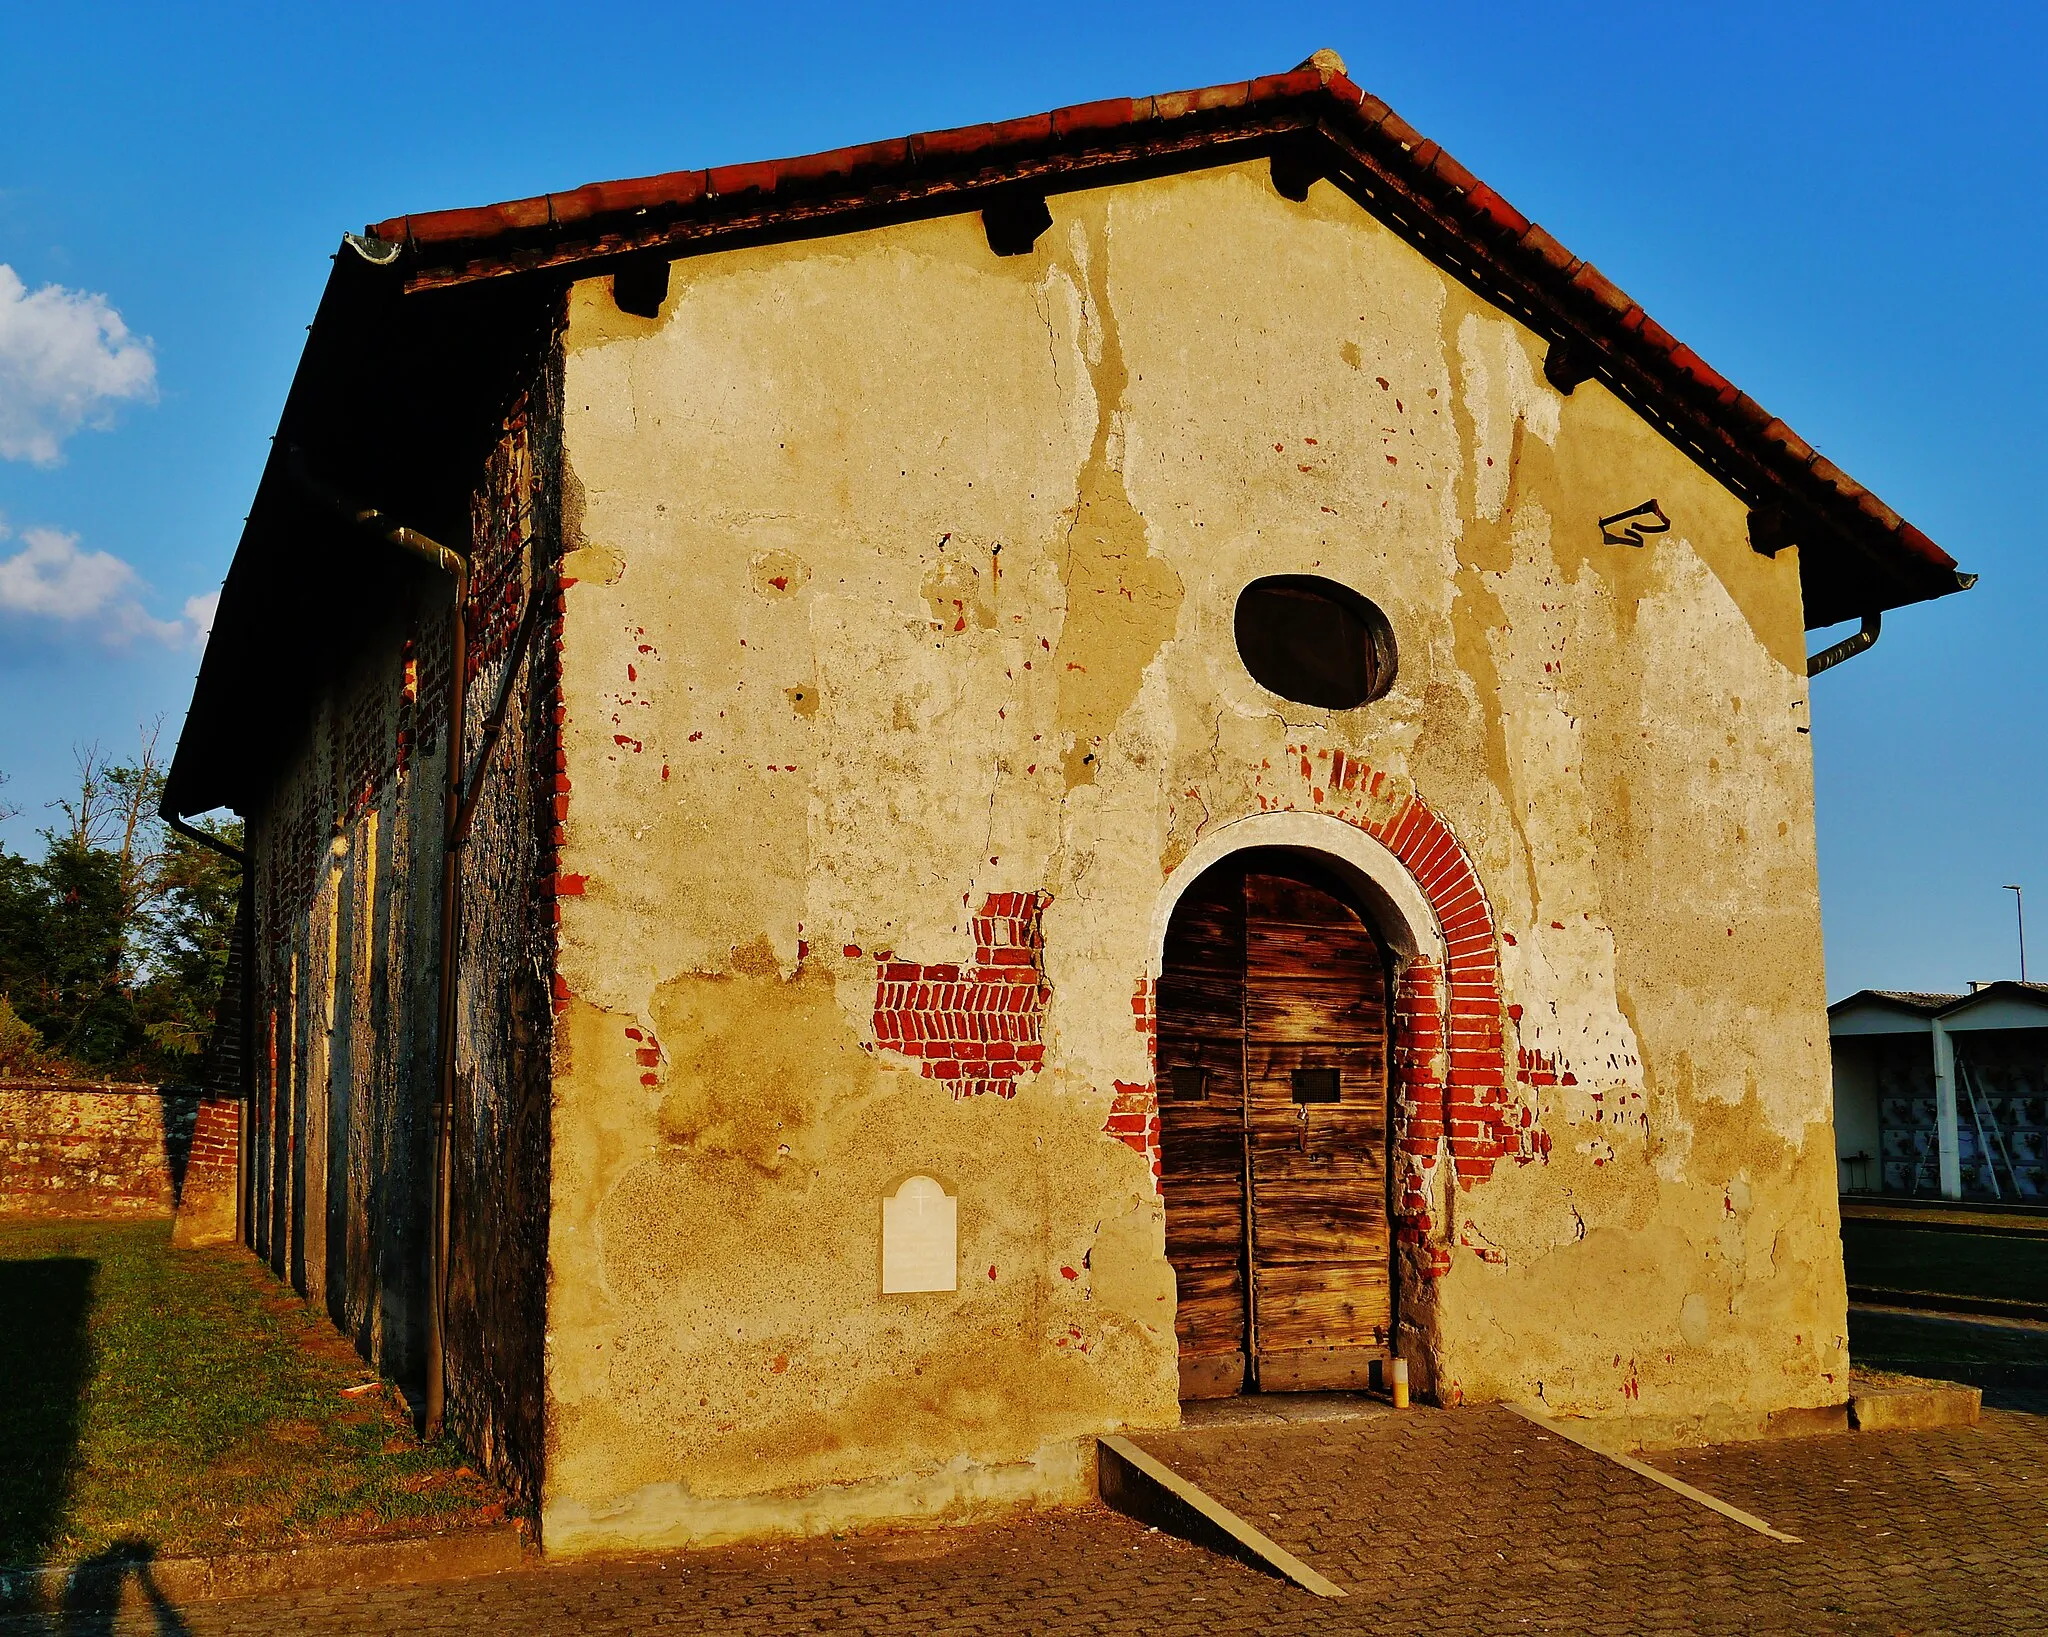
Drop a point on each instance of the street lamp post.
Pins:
(2019, 908)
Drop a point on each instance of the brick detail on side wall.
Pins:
(1419, 1070)
(553, 884)
(1134, 1110)
(216, 1143)
(977, 1028)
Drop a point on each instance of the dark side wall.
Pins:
(347, 859)
(497, 1285)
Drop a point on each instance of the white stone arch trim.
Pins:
(1400, 912)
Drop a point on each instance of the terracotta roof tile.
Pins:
(980, 139)
(1452, 174)
(1596, 284)
(1539, 243)
(1298, 82)
(1107, 115)
(1398, 130)
(1497, 210)
(735, 181)
(1372, 111)
(866, 159)
(1751, 413)
(1796, 448)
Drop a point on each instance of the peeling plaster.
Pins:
(910, 577)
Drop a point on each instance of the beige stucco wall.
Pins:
(904, 576)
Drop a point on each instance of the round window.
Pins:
(1314, 641)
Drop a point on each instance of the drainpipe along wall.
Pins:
(456, 566)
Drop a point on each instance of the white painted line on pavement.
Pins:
(1218, 1516)
(1735, 1514)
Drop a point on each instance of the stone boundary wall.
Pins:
(79, 1148)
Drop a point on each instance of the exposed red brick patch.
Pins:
(978, 1027)
(1134, 1121)
(216, 1138)
(1134, 1110)
(1419, 1071)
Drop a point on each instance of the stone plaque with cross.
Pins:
(920, 1239)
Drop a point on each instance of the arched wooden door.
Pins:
(1273, 1130)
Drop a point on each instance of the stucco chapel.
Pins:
(910, 805)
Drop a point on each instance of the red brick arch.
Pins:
(1450, 1025)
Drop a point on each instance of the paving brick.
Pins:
(1437, 1522)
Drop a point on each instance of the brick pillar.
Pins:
(205, 1213)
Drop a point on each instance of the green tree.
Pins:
(114, 943)
(62, 946)
(183, 941)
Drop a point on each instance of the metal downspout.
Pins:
(1847, 648)
(191, 832)
(456, 566)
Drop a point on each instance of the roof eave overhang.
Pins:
(1858, 556)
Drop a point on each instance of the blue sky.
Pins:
(1839, 206)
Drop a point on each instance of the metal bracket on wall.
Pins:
(640, 286)
(1567, 366)
(1770, 530)
(1298, 165)
(1013, 222)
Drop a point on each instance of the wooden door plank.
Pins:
(1200, 1011)
(1315, 998)
(1209, 1316)
(1323, 1304)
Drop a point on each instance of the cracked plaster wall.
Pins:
(903, 576)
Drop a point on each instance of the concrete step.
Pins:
(1882, 1402)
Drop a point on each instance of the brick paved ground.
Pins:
(1445, 1523)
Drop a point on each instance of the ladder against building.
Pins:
(1990, 1140)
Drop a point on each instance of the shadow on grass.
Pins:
(45, 1363)
(92, 1600)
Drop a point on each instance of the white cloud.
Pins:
(199, 613)
(65, 360)
(48, 577)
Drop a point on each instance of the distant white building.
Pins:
(1943, 1095)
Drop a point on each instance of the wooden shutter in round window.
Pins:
(1314, 641)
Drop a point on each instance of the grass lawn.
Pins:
(187, 1401)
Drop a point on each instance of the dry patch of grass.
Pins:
(186, 1400)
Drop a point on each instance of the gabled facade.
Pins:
(1140, 754)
